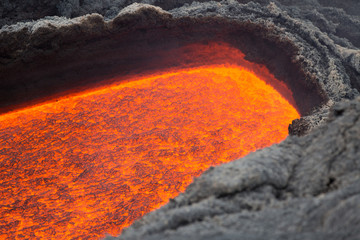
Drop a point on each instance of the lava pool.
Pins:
(94, 162)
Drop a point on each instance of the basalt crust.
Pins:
(74, 53)
(303, 188)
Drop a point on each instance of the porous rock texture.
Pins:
(304, 188)
(311, 47)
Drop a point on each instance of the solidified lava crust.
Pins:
(303, 188)
(321, 68)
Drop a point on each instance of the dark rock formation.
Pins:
(317, 65)
(12, 11)
(303, 188)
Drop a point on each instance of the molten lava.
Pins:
(93, 163)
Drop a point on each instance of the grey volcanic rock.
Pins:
(303, 188)
(315, 53)
(12, 11)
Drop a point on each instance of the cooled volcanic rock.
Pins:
(312, 57)
(19, 10)
(303, 188)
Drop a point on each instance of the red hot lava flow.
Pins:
(93, 163)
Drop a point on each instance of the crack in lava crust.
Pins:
(93, 163)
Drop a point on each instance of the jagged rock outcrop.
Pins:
(312, 57)
(303, 188)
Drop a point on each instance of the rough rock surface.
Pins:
(12, 11)
(323, 40)
(303, 188)
(20, 10)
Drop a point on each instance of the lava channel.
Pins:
(91, 164)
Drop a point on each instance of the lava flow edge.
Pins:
(76, 131)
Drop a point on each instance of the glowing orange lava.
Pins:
(91, 164)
